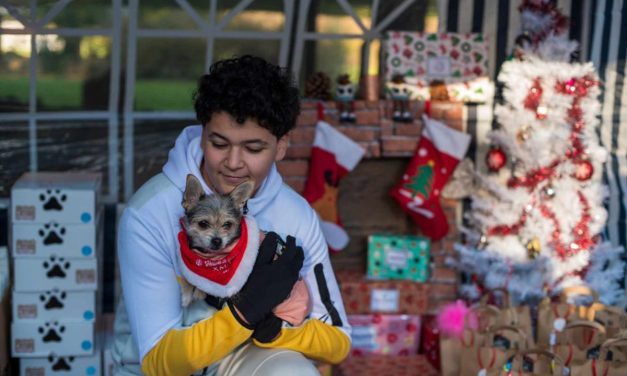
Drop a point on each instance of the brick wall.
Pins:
(363, 203)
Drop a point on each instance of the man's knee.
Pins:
(286, 363)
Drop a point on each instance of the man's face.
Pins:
(234, 153)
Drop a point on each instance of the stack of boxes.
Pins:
(55, 242)
(384, 307)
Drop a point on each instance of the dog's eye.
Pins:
(203, 225)
(227, 225)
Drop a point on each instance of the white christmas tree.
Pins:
(536, 218)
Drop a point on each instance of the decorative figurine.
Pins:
(345, 96)
(400, 96)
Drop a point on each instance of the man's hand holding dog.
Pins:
(270, 282)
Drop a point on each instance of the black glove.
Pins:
(268, 329)
(270, 282)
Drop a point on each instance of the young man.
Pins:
(246, 107)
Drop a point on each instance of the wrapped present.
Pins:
(378, 365)
(362, 296)
(430, 340)
(398, 257)
(449, 57)
(384, 334)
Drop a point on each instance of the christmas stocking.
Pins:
(333, 155)
(439, 150)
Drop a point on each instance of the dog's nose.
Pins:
(216, 243)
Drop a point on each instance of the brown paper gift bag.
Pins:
(532, 362)
(578, 340)
(519, 316)
(498, 345)
(612, 318)
(612, 360)
(553, 316)
(451, 347)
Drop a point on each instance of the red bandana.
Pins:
(219, 270)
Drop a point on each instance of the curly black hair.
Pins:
(248, 87)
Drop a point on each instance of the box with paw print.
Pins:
(62, 365)
(43, 274)
(44, 338)
(54, 304)
(62, 197)
(53, 239)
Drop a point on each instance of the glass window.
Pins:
(14, 154)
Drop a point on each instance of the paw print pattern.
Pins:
(52, 233)
(56, 268)
(51, 332)
(53, 299)
(60, 363)
(52, 199)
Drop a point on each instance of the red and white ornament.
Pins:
(583, 170)
(495, 159)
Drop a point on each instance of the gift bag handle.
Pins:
(577, 290)
(507, 300)
(510, 328)
(520, 355)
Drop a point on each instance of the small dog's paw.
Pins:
(198, 294)
(186, 298)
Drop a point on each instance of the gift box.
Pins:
(362, 296)
(378, 365)
(430, 340)
(384, 334)
(398, 257)
(426, 57)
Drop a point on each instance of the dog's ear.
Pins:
(193, 192)
(242, 193)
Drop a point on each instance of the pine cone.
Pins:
(318, 86)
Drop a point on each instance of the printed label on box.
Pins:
(25, 212)
(438, 66)
(364, 337)
(35, 371)
(384, 300)
(26, 311)
(396, 258)
(24, 345)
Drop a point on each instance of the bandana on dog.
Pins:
(221, 277)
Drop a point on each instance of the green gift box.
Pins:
(398, 257)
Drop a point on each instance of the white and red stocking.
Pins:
(438, 152)
(333, 155)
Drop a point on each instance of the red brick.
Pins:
(297, 184)
(398, 145)
(408, 129)
(303, 135)
(293, 168)
(359, 106)
(373, 149)
(373, 105)
(442, 289)
(440, 274)
(360, 133)
(440, 259)
(308, 104)
(298, 151)
(387, 127)
(454, 112)
(307, 117)
(456, 124)
(367, 117)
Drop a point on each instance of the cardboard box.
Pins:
(62, 365)
(378, 365)
(5, 310)
(53, 305)
(398, 257)
(53, 239)
(34, 274)
(39, 338)
(384, 334)
(362, 296)
(62, 197)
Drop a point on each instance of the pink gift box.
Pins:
(385, 334)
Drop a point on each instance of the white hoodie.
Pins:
(148, 246)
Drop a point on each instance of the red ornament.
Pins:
(495, 159)
(583, 170)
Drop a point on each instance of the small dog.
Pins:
(219, 247)
(212, 224)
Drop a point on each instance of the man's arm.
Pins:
(153, 303)
(326, 335)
